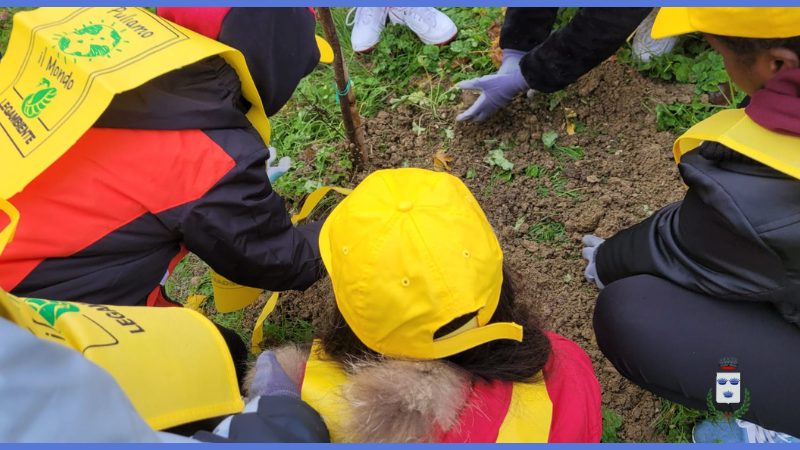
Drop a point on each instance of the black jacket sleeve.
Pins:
(704, 243)
(555, 62)
(279, 419)
(241, 228)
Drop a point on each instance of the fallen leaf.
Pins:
(4, 15)
(570, 113)
(494, 49)
(441, 160)
(194, 302)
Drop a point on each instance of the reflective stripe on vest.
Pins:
(528, 418)
(735, 130)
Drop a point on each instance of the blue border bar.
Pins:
(467, 3)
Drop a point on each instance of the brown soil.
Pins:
(627, 173)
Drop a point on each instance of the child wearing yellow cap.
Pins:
(427, 341)
(715, 278)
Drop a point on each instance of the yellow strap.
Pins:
(443, 348)
(8, 232)
(322, 389)
(312, 201)
(529, 415)
(735, 130)
(314, 198)
(65, 65)
(258, 331)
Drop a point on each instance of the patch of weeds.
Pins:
(6, 22)
(233, 321)
(557, 98)
(502, 168)
(550, 139)
(190, 277)
(327, 167)
(611, 423)
(535, 171)
(289, 330)
(559, 182)
(692, 62)
(470, 174)
(675, 422)
(679, 117)
(546, 230)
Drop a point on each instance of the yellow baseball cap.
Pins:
(761, 23)
(408, 252)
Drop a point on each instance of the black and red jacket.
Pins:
(172, 165)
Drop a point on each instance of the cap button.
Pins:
(405, 206)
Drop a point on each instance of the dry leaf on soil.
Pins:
(441, 160)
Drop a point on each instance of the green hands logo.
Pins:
(90, 41)
(33, 104)
(50, 310)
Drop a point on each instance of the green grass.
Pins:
(693, 61)
(611, 423)
(675, 422)
(6, 19)
(547, 230)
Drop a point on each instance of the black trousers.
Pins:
(554, 61)
(668, 340)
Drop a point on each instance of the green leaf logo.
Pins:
(50, 310)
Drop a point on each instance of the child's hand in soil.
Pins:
(497, 90)
(589, 252)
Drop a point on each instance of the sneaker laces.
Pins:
(424, 13)
(364, 15)
(758, 434)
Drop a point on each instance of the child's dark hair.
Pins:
(503, 360)
(747, 48)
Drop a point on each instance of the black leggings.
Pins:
(668, 340)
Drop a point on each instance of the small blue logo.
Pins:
(734, 381)
(722, 381)
(728, 394)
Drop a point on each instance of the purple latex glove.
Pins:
(511, 60)
(271, 379)
(498, 89)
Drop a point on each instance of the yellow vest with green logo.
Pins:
(60, 73)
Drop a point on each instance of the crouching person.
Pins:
(174, 164)
(711, 283)
(75, 372)
(427, 340)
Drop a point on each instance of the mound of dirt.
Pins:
(626, 174)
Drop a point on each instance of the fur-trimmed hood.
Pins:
(391, 400)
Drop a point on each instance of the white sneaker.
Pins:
(367, 25)
(644, 46)
(431, 25)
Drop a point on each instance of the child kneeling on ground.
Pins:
(712, 283)
(427, 341)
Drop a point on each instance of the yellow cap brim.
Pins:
(672, 22)
(325, 51)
